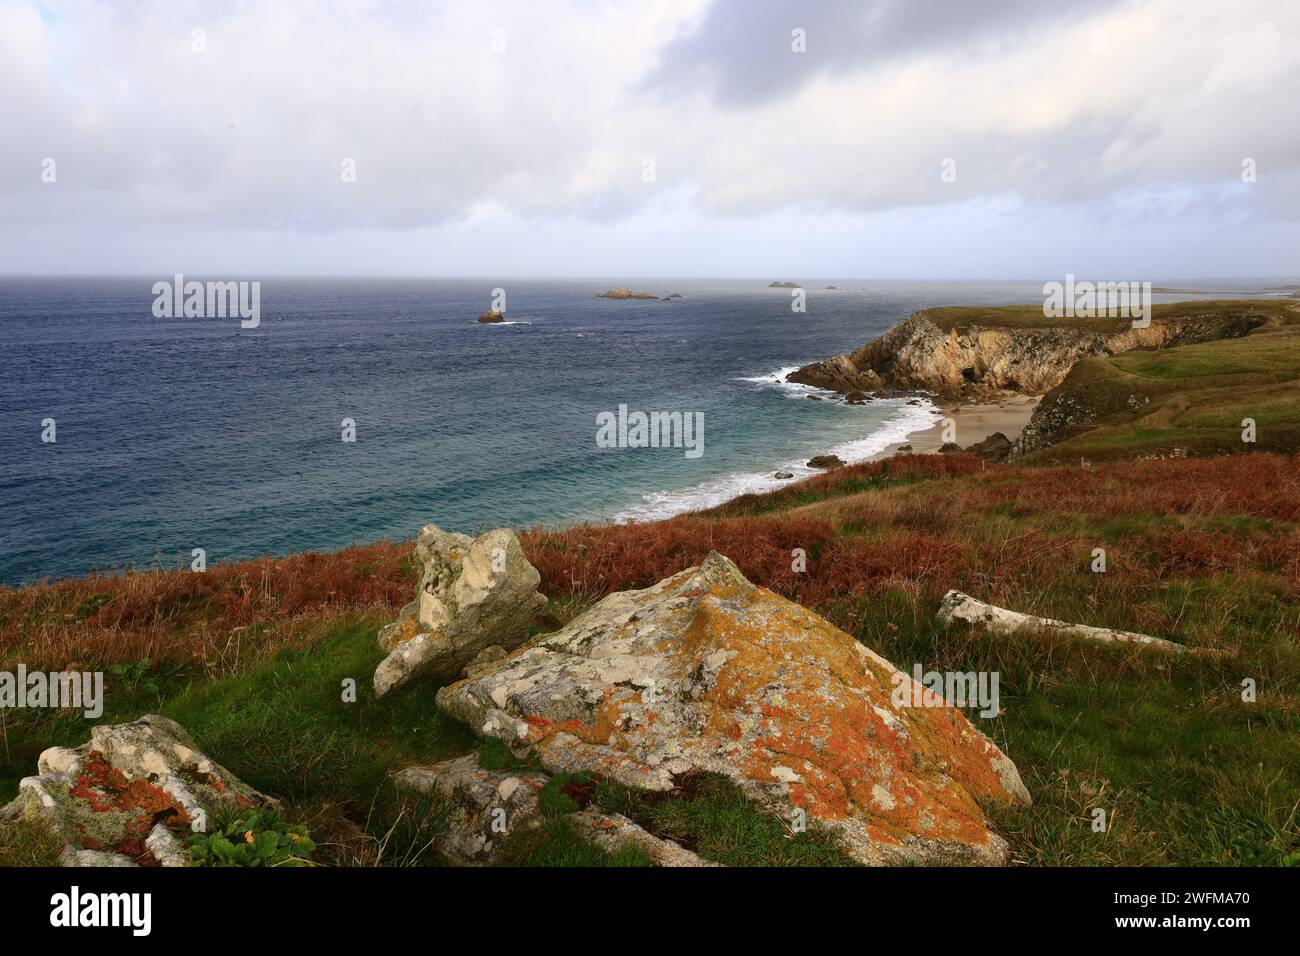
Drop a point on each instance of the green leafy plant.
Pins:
(136, 675)
(252, 838)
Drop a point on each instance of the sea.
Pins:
(171, 434)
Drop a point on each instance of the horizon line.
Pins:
(614, 278)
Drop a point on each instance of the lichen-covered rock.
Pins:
(487, 806)
(613, 831)
(484, 806)
(707, 672)
(130, 796)
(474, 593)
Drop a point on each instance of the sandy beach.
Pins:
(974, 423)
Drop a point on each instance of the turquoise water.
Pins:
(173, 434)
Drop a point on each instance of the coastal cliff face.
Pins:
(1058, 416)
(979, 360)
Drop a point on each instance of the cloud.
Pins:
(465, 117)
(741, 50)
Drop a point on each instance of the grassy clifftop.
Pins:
(250, 657)
(971, 353)
(1190, 400)
(963, 317)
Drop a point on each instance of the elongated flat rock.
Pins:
(998, 620)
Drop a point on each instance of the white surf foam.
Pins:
(790, 389)
(903, 420)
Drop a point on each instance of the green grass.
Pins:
(962, 317)
(1189, 400)
(1166, 747)
(799, 496)
(287, 726)
(557, 842)
(713, 818)
(23, 843)
(284, 728)
(1186, 775)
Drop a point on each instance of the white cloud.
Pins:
(160, 148)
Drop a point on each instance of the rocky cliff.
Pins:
(928, 352)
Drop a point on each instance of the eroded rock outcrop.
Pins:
(486, 806)
(825, 461)
(474, 594)
(130, 796)
(708, 672)
(996, 447)
(979, 360)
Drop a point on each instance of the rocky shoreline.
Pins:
(990, 369)
(981, 361)
(988, 429)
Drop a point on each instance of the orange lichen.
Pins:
(138, 804)
(849, 760)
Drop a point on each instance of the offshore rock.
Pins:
(626, 294)
(825, 461)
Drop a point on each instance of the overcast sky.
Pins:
(652, 138)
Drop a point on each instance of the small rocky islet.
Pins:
(631, 294)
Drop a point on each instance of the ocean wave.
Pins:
(791, 389)
(708, 494)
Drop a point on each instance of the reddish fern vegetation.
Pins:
(915, 524)
(228, 615)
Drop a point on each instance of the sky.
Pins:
(918, 139)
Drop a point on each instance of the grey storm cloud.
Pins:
(740, 50)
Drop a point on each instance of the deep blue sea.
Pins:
(173, 434)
